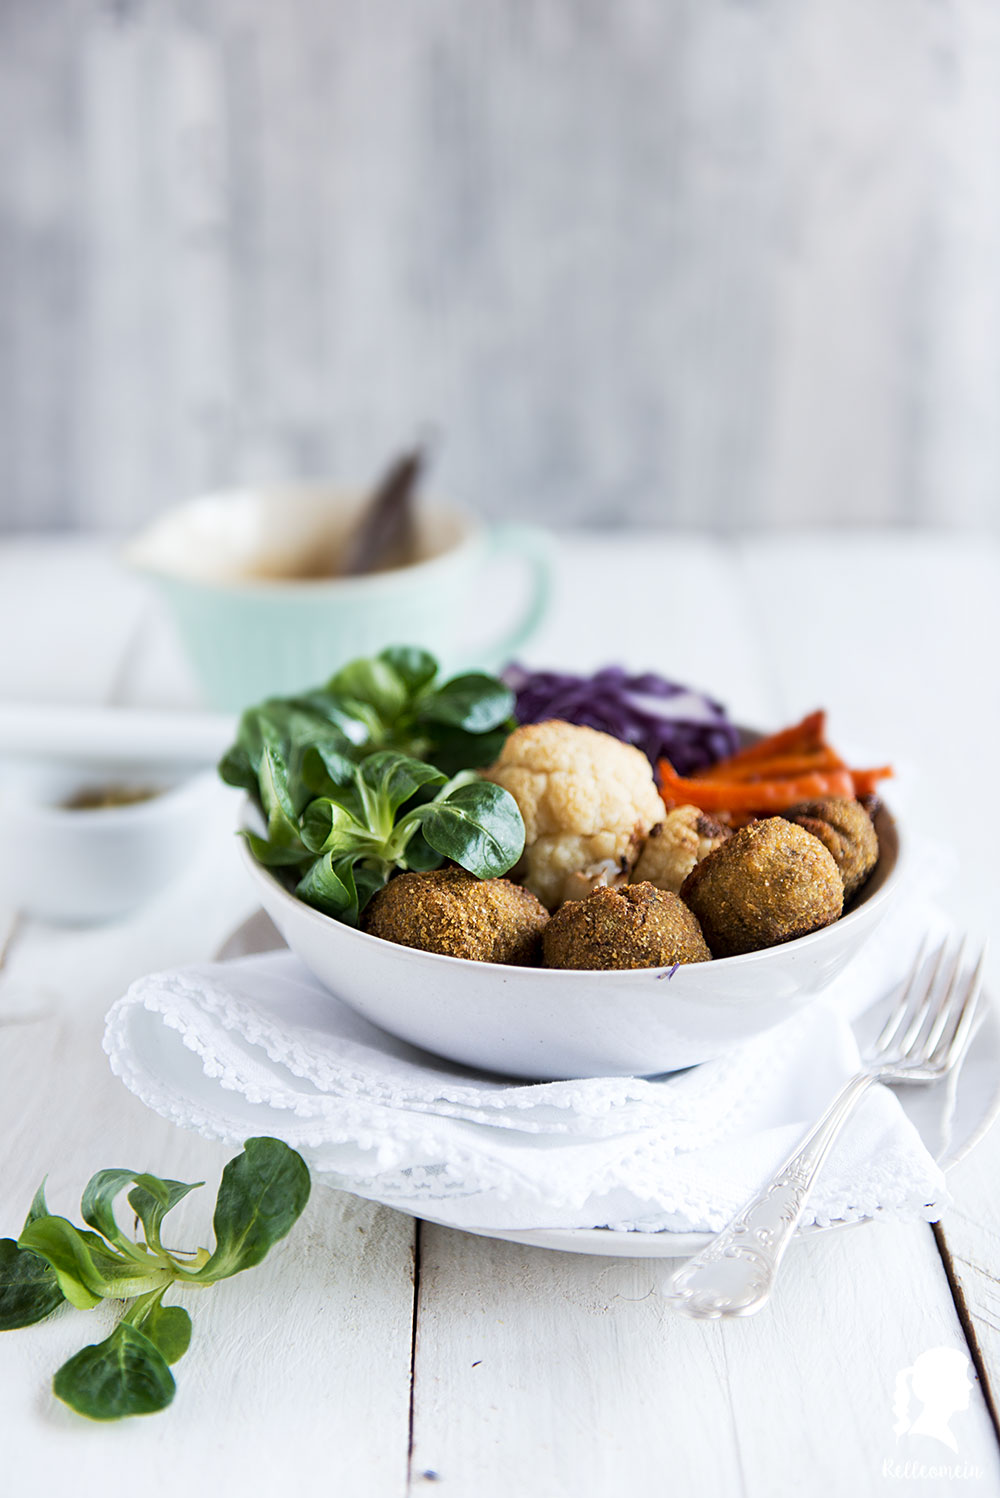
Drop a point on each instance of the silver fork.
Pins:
(924, 1037)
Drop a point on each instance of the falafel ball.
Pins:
(768, 883)
(638, 926)
(457, 915)
(845, 828)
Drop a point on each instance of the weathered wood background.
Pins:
(675, 261)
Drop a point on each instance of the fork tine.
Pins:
(962, 1033)
(923, 1007)
(901, 1006)
(946, 1005)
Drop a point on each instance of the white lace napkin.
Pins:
(256, 1046)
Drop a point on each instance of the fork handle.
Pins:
(734, 1274)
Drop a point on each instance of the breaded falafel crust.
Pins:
(845, 828)
(769, 883)
(457, 915)
(638, 926)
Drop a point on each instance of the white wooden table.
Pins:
(374, 1357)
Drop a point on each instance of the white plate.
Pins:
(951, 1119)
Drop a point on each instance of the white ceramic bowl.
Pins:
(91, 865)
(548, 1023)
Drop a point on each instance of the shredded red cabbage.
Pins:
(662, 718)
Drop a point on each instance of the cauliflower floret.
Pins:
(585, 798)
(608, 874)
(673, 847)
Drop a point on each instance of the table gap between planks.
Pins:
(390, 1357)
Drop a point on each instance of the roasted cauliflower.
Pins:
(586, 799)
(675, 845)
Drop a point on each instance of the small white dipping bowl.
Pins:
(545, 1023)
(93, 864)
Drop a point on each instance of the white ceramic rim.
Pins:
(473, 534)
(152, 808)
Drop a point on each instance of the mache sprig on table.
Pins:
(261, 1196)
(373, 773)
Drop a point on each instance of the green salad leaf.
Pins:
(475, 703)
(373, 773)
(416, 668)
(393, 700)
(88, 1269)
(275, 794)
(273, 855)
(331, 885)
(237, 769)
(29, 1289)
(478, 826)
(126, 1374)
(97, 1209)
(151, 1198)
(167, 1327)
(261, 1196)
(373, 689)
(328, 826)
(39, 1207)
(385, 780)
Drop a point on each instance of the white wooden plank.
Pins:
(856, 1310)
(672, 604)
(898, 638)
(68, 612)
(567, 1376)
(156, 672)
(961, 436)
(969, 1239)
(560, 1375)
(43, 278)
(84, 628)
(156, 405)
(304, 1363)
(854, 296)
(124, 392)
(718, 264)
(192, 161)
